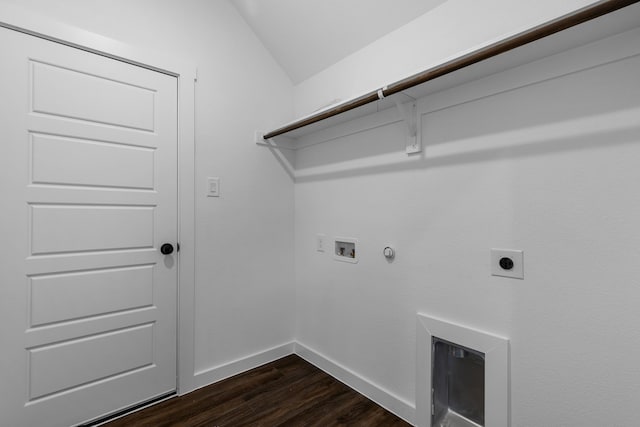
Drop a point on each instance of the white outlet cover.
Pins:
(517, 256)
(213, 187)
(321, 242)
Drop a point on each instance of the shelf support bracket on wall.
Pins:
(283, 151)
(409, 114)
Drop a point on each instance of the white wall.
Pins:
(454, 27)
(244, 259)
(547, 166)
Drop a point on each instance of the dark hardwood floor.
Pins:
(287, 392)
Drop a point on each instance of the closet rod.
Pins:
(564, 22)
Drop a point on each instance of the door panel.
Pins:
(80, 162)
(88, 156)
(102, 291)
(92, 97)
(48, 365)
(61, 228)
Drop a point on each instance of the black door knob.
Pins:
(166, 249)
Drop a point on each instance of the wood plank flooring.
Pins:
(287, 392)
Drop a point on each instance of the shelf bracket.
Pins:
(409, 115)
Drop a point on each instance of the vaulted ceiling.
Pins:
(307, 36)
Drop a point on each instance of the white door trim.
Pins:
(19, 19)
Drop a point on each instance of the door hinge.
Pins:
(177, 247)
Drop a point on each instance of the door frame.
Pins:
(28, 22)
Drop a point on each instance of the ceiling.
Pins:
(307, 36)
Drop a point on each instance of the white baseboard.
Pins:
(209, 376)
(382, 397)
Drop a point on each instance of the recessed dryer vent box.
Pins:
(462, 376)
(345, 249)
(457, 385)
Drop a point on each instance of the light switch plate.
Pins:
(516, 256)
(213, 187)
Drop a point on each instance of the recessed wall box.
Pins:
(345, 249)
(462, 376)
(457, 385)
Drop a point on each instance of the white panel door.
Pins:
(88, 154)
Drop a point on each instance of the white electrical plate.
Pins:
(516, 256)
(321, 242)
(213, 187)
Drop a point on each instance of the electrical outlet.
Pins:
(507, 263)
(321, 242)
